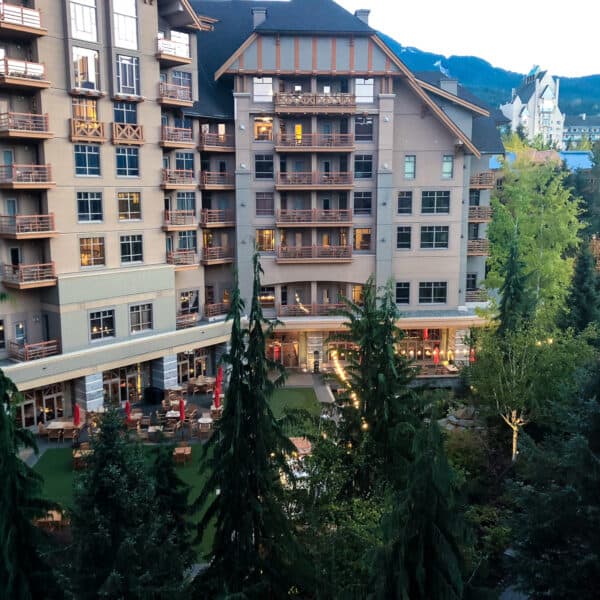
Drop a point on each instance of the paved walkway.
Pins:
(311, 380)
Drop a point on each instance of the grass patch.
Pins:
(303, 402)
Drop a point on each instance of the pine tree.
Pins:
(24, 574)
(584, 298)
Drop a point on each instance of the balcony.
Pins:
(127, 134)
(216, 142)
(24, 126)
(176, 137)
(23, 277)
(22, 74)
(314, 254)
(315, 142)
(183, 259)
(178, 179)
(314, 181)
(480, 214)
(170, 94)
(214, 180)
(26, 177)
(478, 247)
(25, 352)
(486, 180)
(217, 255)
(27, 227)
(217, 217)
(216, 310)
(291, 102)
(315, 217)
(479, 295)
(179, 220)
(170, 53)
(308, 310)
(20, 22)
(186, 320)
(84, 130)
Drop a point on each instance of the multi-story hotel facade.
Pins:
(149, 145)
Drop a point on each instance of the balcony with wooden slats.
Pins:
(479, 247)
(308, 310)
(23, 276)
(179, 220)
(22, 74)
(176, 137)
(171, 53)
(86, 130)
(27, 227)
(315, 142)
(216, 310)
(217, 217)
(478, 295)
(214, 180)
(127, 134)
(308, 103)
(26, 177)
(316, 217)
(216, 142)
(24, 126)
(186, 320)
(20, 22)
(183, 259)
(480, 214)
(25, 352)
(486, 180)
(314, 254)
(217, 255)
(335, 180)
(171, 94)
(178, 179)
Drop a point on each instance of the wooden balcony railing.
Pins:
(307, 310)
(25, 174)
(301, 102)
(182, 257)
(13, 67)
(216, 178)
(185, 320)
(478, 247)
(216, 309)
(127, 133)
(217, 140)
(173, 48)
(23, 122)
(28, 274)
(84, 130)
(315, 140)
(320, 253)
(480, 214)
(15, 225)
(217, 216)
(176, 135)
(483, 180)
(178, 177)
(170, 92)
(312, 216)
(24, 352)
(217, 253)
(478, 295)
(12, 14)
(180, 218)
(319, 179)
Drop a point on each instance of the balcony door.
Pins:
(11, 207)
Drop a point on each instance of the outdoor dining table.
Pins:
(56, 424)
(172, 414)
(184, 453)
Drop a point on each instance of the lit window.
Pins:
(263, 89)
(263, 128)
(89, 206)
(130, 206)
(91, 252)
(362, 239)
(435, 236)
(140, 317)
(83, 20)
(402, 292)
(433, 292)
(265, 240)
(102, 324)
(410, 166)
(85, 68)
(85, 109)
(447, 166)
(189, 301)
(131, 248)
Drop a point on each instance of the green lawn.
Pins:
(293, 399)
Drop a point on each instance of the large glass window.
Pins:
(263, 128)
(187, 240)
(125, 112)
(362, 203)
(131, 248)
(265, 204)
(91, 252)
(263, 89)
(102, 324)
(435, 202)
(125, 23)
(403, 238)
(263, 166)
(89, 206)
(433, 292)
(130, 206)
(128, 161)
(186, 201)
(363, 166)
(85, 109)
(435, 236)
(86, 68)
(140, 317)
(83, 20)
(87, 159)
(363, 129)
(402, 292)
(189, 301)
(364, 90)
(183, 78)
(265, 240)
(405, 203)
(362, 239)
(128, 75)
(184, 161)
(474, 197)
(447, 166)
(410, 166)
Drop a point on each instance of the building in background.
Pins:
(581, 128)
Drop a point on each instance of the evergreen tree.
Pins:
(24, 574)
(253, 554)
(584, 298)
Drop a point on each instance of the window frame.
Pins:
(264, 93)
(87, 151)
(432, 286)
(364, 90)
(129, 157)
(403, 231)
(101, 316)
(448, 161)
(366, 170)
(144, 314)
(264, 160)
(437, 208)
(91, 55)
(410, 166)
(265, 244)
(132, 256)
(269, 199)
(86, 197)
(123, 17)
(129, 214)
(405, 286)
(97, 243)
(404, 195)
(86, 9)
(359, 247)
(364, 121)
(435, 232)
(127, 109)
(127, 75)
(363, 196)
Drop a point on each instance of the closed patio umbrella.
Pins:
(436, 356)
(128, 410)
(218, 384)
(76, 414)
(181, 410)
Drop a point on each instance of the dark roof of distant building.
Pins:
(436, 78)
(579, 121)
(486, 136)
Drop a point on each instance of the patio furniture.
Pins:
(54, 435)
(70, 433)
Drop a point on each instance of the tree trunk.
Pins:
(515, 437)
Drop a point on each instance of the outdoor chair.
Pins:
(42, 431)
(54, 435)
(70, 434)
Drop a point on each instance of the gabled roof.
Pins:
(486, 136)
(579, 121)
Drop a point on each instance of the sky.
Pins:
(513, 34)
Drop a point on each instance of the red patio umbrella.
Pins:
(436, 356)
(472, 355)
(128, 410)
(218, 385)
(181, 410)
(76, 414)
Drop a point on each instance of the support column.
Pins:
(164, 372)
(89, 393)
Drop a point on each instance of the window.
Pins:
(89, 206)
(265, 240)
(131, 248)
(83, 20)
(125, 22)
(403, 238)
(130, 206)
(263, 128)
(410, 166)
(362, 239)
(85, 68)
(404, 203)
(184, 161)
(265, 204)
(473, 231)
(435, 202)
(435, 236)
(447, 166)
(364, 90)
(128, 75)
(402, 292)
(186, 201)
(189, 301)
(91, 252)
(471, 282)
(87, 159)
(432, 292)
(362, 203)
(2, 336)
(474, 197)
(266, 297)
(180, 43)
(187, 240)
(363, 129)
(182, 78)
(102, 324)
(263, 89)
(85, 109)
(128, 161)
(363, 166)
(140, 317)
(263, 166)
(125, 112)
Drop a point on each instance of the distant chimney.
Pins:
(449, 85)
(259, 16)
(363, 15)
